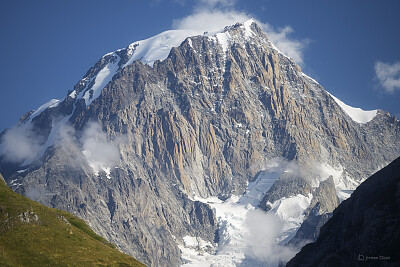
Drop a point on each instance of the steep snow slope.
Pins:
(157, 47)
(356, 114)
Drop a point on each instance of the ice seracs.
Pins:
(236, 217)
(233, 218)
(291, 211)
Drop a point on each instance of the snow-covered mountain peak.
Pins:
(158, 47)
(150, 50)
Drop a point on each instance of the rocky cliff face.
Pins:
(201, 122)
(364, 229)
(322, 205)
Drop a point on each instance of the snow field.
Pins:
(249, 236)
(234, 217)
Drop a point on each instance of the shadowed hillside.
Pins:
(364, 230)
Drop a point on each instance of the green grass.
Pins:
(50, 241)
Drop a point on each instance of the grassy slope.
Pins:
(57, 238)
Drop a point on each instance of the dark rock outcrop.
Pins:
(285, 187)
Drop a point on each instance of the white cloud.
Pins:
(206, 20)
(214, 15)
(289, 46)
(100, 153)
(19, 144)
(261, 245)
(388, 76)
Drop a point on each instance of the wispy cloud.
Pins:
(24, 144)
(208, 3)
(213, 15)
(209, 20)
(388, 76)
(261, 245)
(100, 153)
(19, 144)
(285, 43)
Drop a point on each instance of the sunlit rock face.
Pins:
(188, 117)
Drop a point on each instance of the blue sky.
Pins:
(46, 46)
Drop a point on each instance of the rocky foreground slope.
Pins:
(364, 230)
(154, 129)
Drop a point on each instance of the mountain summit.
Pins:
(169, 146)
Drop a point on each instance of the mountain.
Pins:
(364, 230)
(34, 235)
(172, 146)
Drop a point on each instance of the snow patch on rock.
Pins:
(224, 40)
(196, 252)
(50, 104)
(104, 76)
(356, 114)
(291, 212)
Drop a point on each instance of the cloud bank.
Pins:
(388, 76)
(214, 15)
